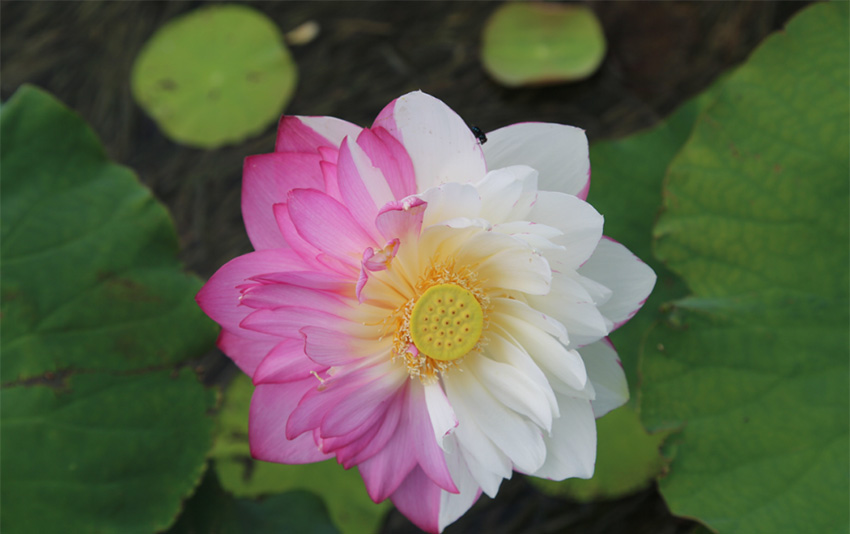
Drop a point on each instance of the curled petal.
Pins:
(401, 219)
(442, 416)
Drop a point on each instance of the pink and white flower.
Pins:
(427, 308)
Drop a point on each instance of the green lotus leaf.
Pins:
(99, 433)
(215, 76)
(527, 43)
(751, 369)
(211, 510)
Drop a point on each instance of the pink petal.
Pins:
(286, 362)
(419, 499)
(366, 403)
(441, 146)
(558, 152)
(332, 347)
(329, 175)
(421, 435)
(327, 225)
(287, 321)
(401, 219)
(270, 408)
(389, 424)
(363, 187)
(347, 446)
(345, 401)
(269, 296)
(358, 446)
(310, 279)
(389, 155)
(266, 178)
(329, 154)
(384, 472)
(413, 443)
(219, 298)
(307, 134)
(247, 353)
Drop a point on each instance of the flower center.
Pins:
(446, 322)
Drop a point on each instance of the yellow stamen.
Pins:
(427, 361)
(446, 322)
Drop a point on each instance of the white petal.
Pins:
(506, 262)
(558, 152)
(538, 236)
(580, 222)
(524, 312)
(504, 190)
(454, 505)
(606, 374)
(569, 303)
(513, 389)
(630, 280)
(571, 449)
(487, 463)
(565, 366)
(443, 418)
(502, 348)
(519, 439)
(450, 201)
(484, 476)
(440, 144)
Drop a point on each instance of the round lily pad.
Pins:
(534, 43)
(215, 76)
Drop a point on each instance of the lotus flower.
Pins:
(424, 306)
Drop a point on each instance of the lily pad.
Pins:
(752, 368)
(215, 76)
(342, 490)
(529, 43)
(211, 510)
(99, 432)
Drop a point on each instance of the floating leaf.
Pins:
(342, 490)
(752, 369)
(90, 287)
(212, 511)
(104, 453)
(533, 43)
(215, 76)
